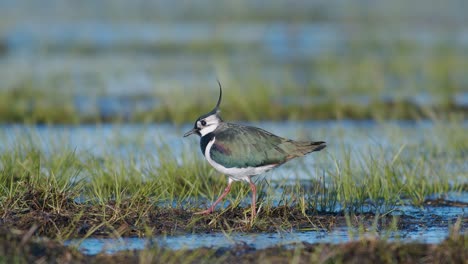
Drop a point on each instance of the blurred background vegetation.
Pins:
(146, 61)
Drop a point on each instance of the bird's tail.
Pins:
(304, 147)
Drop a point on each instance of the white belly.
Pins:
(236, 174)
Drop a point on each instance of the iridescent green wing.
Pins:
(243, 146)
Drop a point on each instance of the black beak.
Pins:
(194, 130)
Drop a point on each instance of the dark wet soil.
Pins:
(110, 220)
(125, 219)
(21, 247)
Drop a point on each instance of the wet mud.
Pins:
(114, 220)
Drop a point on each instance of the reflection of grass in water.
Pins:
(79, 194)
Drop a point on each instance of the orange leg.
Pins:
(221, 197)
(254, 198)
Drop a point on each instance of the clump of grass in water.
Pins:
(317, 101)
(69, 188)
(28, 104)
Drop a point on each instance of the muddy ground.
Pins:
(25, 235)
(78, 220)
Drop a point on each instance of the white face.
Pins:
(208, 124)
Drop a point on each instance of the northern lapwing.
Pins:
(241, 152)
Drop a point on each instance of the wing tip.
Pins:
(319, 145)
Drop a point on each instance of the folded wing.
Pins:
(239, 146)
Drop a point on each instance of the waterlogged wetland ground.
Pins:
(111, 188)
(94, 99)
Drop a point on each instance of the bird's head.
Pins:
(207, 123)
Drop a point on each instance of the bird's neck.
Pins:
(204, 140)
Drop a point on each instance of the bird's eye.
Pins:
(203, 122)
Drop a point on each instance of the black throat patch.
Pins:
(205, 140)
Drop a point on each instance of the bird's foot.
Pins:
(253, 215)
(205, 212)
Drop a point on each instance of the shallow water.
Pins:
(94, 246)
(430, 225)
